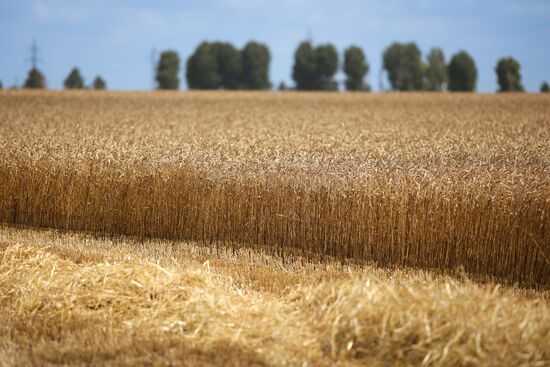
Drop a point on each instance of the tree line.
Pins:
(219, 65)
(74, 80)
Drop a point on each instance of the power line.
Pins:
(34, 57)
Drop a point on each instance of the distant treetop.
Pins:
(216, 65)
(228, 63)
(314, 67)
(436, 71)
(168, 69)
(255, 68)
(74, 80)
(355, 68)
(99, 83)
(508, 75)
(403, 63)
(462, 73)
(35, 79)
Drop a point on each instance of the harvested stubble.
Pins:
(77, 300)
(430, 181)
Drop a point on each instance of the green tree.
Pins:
(1, 85)
(255, 66)
(216, 65)
(74, 80)
(327, 65)
(99, 83)
(168, 69)
(304, 69)
(229, 64)
(355, 68)
(544, 87)
(462, 73)
(202, 69)
(436, 70)
(403, 63)
(314, 68)
(508, 75)
(35, 79)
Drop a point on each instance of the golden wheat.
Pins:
(423, 180)
(72, 299)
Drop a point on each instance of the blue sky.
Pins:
(114, 38)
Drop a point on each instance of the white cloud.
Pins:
(57, 11)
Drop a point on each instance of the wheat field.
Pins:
(274, 228)
(422, 180)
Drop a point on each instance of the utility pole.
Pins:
(153, 60)
(34, 57)
(381, 80)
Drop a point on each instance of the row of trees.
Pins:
(315, 67)
(408, 72)
(75, 81)
(36, 80)
(219, 65)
